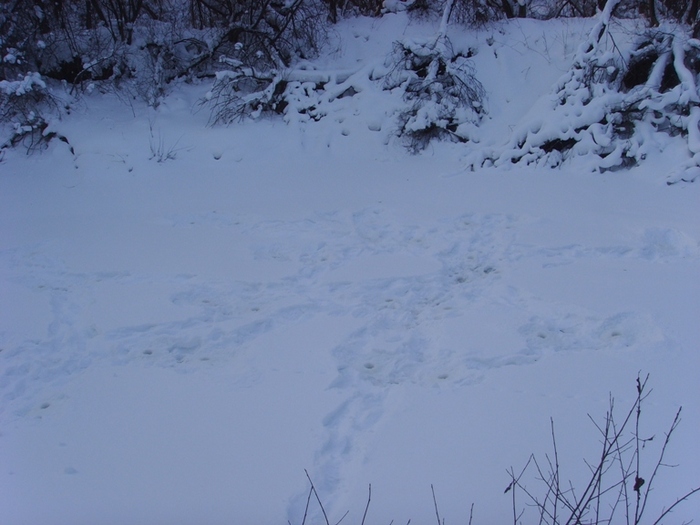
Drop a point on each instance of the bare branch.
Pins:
(369, 498)
(313, 489)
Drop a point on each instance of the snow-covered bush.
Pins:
(615, 107)
(264, 35)
(445, 99)
(479, 12)
(243, 92)
(443, 95)
(24, 108)
(362, 7)
(257, 57)
(297, 93)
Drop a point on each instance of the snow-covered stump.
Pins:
(614, 106)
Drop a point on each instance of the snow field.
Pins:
(181, 339)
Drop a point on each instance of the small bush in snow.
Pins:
(24, 104)
(618, 484)
(298, 94)
(443, 95)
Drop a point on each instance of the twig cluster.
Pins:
(618, 488)
(313, 493)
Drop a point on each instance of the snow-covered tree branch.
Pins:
(611, 107)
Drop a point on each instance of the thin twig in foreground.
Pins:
(437, 514)
(313, 489)
(369, 498)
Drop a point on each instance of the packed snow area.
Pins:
(191, 316)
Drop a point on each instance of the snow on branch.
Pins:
(25, 106)
(439, 84)
(441, 96)
(245, 92)
(611, 108)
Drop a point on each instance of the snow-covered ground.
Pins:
(180, 338)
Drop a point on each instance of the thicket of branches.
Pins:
(612, 104)
(252, 48)
(139, 47)
(94, 40)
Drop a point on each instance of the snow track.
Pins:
(401, 306)
(179, 340)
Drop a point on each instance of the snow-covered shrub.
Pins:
(24, 26)
(258, 56)
(24, 108)
(263, 35)
(361, 7)
(398, 6)
(243, 92)
(443, 95)
(438, 83)
(161, 53)
(479, 12)
(612, 106)
(296, 93)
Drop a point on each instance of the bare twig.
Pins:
(514, 484)
(342, 518)
(313, 489)
(659, 463)
(678, 501)
(369, 498)
(437, 513)
(306, 509)
(557, 490)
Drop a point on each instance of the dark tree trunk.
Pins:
(507, 9)
(692, 13)
(653, 19)
(333, 14)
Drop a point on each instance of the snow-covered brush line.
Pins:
(618, 488)
(617, 103)
(435, 81)
(613, 106)
(26, 108)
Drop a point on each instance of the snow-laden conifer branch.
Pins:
(611, 107)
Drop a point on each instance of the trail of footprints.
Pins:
(400, 318)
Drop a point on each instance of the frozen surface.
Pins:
(179, 340)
